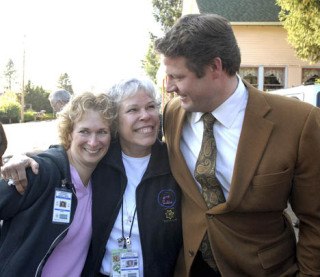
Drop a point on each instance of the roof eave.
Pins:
(256, 23)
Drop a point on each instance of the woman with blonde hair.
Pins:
(47, 230)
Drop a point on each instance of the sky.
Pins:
(96, 42)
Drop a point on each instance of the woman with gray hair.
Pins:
(139, 231)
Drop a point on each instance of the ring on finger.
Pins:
(11, 182)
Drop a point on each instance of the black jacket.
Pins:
(158, 208)
(28, 235)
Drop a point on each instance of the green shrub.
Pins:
(29, 115)
(10, 108)
(10, 112)
(49, 116)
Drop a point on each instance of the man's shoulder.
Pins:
(284, 102)
(260, 99)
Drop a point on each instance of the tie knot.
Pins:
(208, 120)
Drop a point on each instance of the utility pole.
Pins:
(22, 91)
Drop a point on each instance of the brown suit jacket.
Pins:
(276, 162)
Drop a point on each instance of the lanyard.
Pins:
(127, 240)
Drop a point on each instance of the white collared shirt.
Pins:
(226, 129)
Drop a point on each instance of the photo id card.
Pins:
(124, 263)
(129, 262)
(115, 261)
(62, 206)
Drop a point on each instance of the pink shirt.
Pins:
(68, 258)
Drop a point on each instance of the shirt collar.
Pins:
(227, 112)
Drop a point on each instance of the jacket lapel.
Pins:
(255, 134)
(177, 161)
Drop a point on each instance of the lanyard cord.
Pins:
(122, 229)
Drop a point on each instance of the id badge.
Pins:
(62, 206)
(124, 263)
(115, 262)
(129, 262)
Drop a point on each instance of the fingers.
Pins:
(15, 168)
(21, 187)
(10, 170)
(6, 171)
(34, 166)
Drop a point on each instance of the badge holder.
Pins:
(125, 262)
(62, 206)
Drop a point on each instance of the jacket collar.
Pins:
(57, 154)
(158, 164)
(255, 134)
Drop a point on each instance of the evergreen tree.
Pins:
(166, 12)
(151, 62)
(65, 83)
(36, 98)
(10, 75)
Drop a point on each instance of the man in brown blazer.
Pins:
(268, 150)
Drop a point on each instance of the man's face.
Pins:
(57, 105)
(196, 94)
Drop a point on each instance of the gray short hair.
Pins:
(60, 95)
(129, 87)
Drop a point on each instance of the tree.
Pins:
(65, 83)
(37, 98)
(301, 19)
(166, 12)
(9, 74)
(151, 62)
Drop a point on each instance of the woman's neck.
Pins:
(84, 171)
(136, 152)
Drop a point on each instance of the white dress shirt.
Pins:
(227, 128)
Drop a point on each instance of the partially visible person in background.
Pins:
(47, 230)
(58, 99)
(3, 143)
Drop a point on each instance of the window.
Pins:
(309, 75)
(273, 78)
(250, 74)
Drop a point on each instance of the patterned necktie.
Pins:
(205, 174)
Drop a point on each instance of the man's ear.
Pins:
(216, 68)
(216, 64)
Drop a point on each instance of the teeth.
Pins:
(145, 130)
(92, 151)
